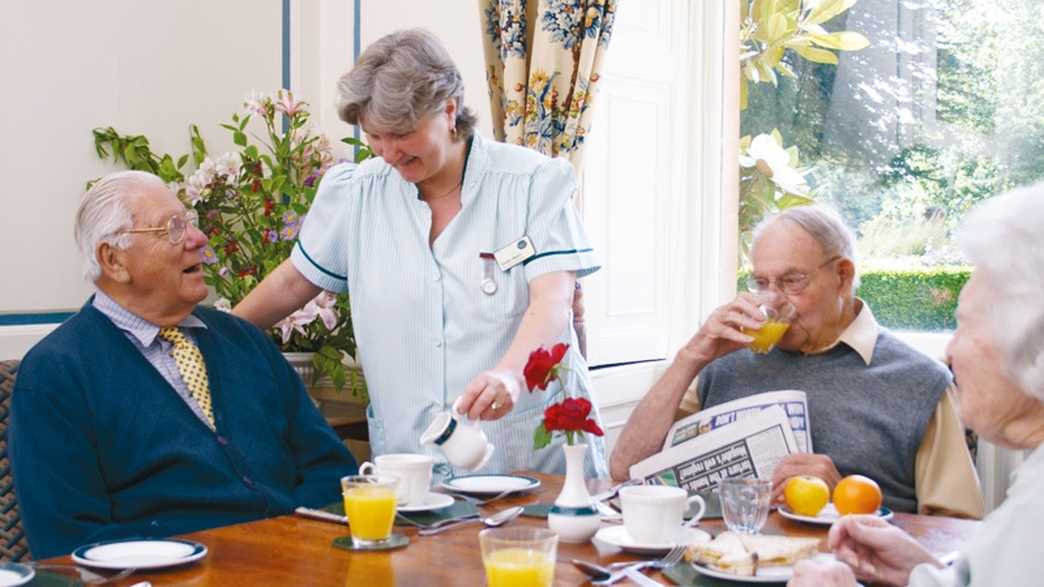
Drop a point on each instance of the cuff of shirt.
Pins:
(316, 273)
(583, 261)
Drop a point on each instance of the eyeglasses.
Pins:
(790, 283)
(176, 227)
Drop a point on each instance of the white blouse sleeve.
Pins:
(554, 226)
(321, 251)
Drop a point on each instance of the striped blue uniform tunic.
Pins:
(423, 324)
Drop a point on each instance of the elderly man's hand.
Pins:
(821, 574)
(720, 334)
(877, 550)
(491, 395)
(796, 464)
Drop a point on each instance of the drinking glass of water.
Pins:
(745, 503)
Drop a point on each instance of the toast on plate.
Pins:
(742, 554)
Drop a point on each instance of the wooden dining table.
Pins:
(293, 550)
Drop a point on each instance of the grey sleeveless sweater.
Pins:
(869, 419)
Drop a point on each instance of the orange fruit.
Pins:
(806, 495)
(857, 494)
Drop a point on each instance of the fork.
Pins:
(619, 569)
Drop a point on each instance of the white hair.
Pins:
(1004, 238)
(824, 225)
(400, 78)
(104, 212)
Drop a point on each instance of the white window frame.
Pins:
(703, 253)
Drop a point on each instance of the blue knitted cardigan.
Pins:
(102, 447)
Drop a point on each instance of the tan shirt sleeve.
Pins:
(690, 403)
(945, 477)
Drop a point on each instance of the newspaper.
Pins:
(793, 402)
(750, 447)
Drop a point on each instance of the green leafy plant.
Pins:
(251, 204)
(770, 180)
(769, 27)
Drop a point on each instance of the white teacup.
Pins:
(413, 471)
(462, 441)
(653, 514)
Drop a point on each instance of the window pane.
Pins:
(943, 109)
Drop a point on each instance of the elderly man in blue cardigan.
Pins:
(145, 415)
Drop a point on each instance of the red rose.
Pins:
(542, 366)
(551, 417)
(571, 415)
(574, 413)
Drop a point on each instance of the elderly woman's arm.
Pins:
(280, 293)
(550, 299)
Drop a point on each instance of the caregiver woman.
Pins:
(411, 236)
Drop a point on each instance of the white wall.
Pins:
(143, 67)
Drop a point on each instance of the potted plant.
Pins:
(251, 204)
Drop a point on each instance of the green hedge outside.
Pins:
(910, 299)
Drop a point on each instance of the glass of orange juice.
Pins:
(777, 322)
(519, 556)
(369, 503)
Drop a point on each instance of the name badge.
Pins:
(514, 253)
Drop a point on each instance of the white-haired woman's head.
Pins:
(104, 213)
(399, 79)
(1004, 239)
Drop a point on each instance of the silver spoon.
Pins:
(502, 517)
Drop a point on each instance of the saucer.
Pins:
(619, 537)
(489, 485)
(828, 515)
(12, 574)
(138, 553)
(432, 501)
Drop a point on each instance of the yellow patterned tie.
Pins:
(193, 369)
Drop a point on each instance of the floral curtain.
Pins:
(543, 59)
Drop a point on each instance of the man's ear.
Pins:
(113, 263)
(846, 273)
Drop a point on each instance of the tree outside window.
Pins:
(943, 108)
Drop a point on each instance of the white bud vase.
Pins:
(574, 516)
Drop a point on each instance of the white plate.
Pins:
(12, 574)
(139, 553)
(619, 537)
(764, 575)
(828, 515)
(485, 485)
(432, 501)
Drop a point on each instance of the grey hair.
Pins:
(400, 78)
(104, 212)
(1004, 238)
(824, 225)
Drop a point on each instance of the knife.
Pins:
(320, 515)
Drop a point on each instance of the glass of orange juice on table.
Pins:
(777, 322)
(519, 556)
(369, 503)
